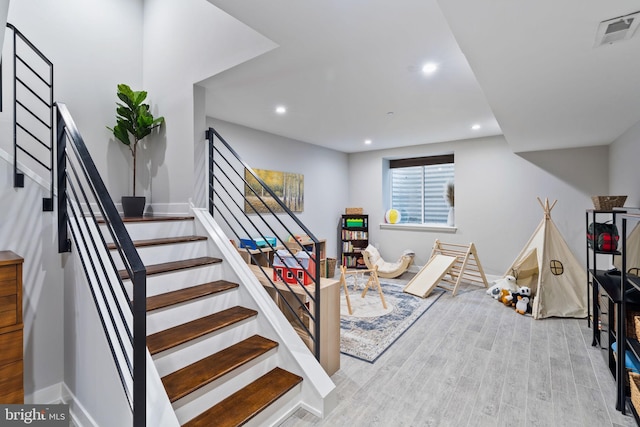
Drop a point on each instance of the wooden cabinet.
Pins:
(354, 238)
(329, 314)
(11, 353)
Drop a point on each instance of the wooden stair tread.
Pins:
(180, 334)
(151, 218)
(182, 295)
(174, 265)
(247, 402)
(190, 378)
(162, 241)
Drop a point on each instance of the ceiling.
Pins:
(351, 70)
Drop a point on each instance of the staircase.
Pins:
(207, 341)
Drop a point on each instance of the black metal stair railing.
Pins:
(87, 212)
(246, 215)
(32, 112)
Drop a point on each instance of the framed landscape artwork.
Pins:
(287, 186)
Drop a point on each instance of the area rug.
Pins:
(371, 329)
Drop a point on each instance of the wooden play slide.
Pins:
(459, 261)
(430, 275)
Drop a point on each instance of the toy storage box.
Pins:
(257, 242)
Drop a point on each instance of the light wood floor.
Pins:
(470, 361)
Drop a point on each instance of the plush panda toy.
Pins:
(511, 298)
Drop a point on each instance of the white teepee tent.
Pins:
(547, 266)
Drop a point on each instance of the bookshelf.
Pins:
(354, 238)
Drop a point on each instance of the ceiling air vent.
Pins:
(617, 29)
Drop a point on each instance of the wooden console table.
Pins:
(11, 353)
(329, 314)
(263, 256)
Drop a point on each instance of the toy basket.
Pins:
(633, 324)
(353, 211)
(634, 385)
(607, 203)
(327, 267)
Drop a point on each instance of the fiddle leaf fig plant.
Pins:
(134, 121)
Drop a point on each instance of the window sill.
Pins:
(419, 227)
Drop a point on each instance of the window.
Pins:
(556, 267)
(418, 188)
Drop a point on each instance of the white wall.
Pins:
(4, 12)
(186, 42)
(94, 45)
(623, 166)
(325, 173)
(496, 192)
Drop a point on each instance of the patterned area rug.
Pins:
(371, 329)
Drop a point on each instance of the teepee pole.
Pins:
(546, 208)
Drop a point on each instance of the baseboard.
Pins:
(47, 395)
(414, 268)
(79, 415)
(162, 209)
(60, 393)
(168, 209)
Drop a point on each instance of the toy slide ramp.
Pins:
(430, 275)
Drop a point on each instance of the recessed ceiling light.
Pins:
(367, 141)
(280, 109)
(475, 126)
(429, 67)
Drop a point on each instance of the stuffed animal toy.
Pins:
(494, 291)
(505, 297)
(507, 282)
(525, 291)
(512, 299)
(522, 305)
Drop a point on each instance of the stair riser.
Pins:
(172, 281)
(166, 253)
(168, 317)
(181, 356)
(202, 399)
(279, 410)
(152, 230)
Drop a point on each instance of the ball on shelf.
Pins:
(392, 216)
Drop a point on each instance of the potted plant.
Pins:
(134, 121)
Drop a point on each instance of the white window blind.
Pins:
(418, 192)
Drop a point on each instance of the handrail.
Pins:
(84, 205)
(227, 186)
(34, 96)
